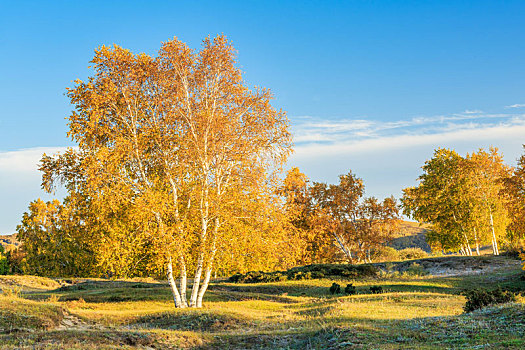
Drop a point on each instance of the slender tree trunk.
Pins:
(494, 240)
(183, 281)
(176, 296)
(209, 267)
(204, 286)
(477, 241)
(196, 281)
(468, 251)
(175, 292)
(343, 248)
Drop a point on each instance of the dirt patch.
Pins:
(72, 322)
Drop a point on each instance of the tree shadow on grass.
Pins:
(305, 290)
(101, 291)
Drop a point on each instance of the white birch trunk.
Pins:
(494, 239)
(477, 241)
(342, 246)
(209, 267)
(204, 286)
(468, 250)
(176, 296)
(196, 281)
(495, 249)
(183, 281)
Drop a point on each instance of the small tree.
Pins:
(356, 226)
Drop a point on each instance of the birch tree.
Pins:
(486, 174)
(514, 191)
(183, 140)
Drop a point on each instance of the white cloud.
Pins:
(20, 184)
(517, 105)
(25, 161)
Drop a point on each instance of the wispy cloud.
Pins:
(388, 154)
(315, 133)
(517, 105)
(448, 135)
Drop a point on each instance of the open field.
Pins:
(414, 312)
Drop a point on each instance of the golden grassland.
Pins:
(414, 312)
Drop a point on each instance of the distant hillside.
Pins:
(9, 241)
(410, 235)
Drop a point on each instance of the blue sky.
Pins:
(372, 86)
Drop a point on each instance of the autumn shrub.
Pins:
(335, 288)
(479, 298)
(385, 253)
(412, 253)
(350, 289)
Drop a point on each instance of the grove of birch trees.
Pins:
(469, 201)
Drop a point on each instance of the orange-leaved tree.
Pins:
(357, 225)
(183, 140)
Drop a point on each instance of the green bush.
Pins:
(308, 272)
(350, 289)
(4, 263)
(376, 289)
(412, 253)
(335, 288)
(258, 277)
(479, 298)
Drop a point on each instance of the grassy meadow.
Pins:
(414, 312)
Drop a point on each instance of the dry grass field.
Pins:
(414, 312)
